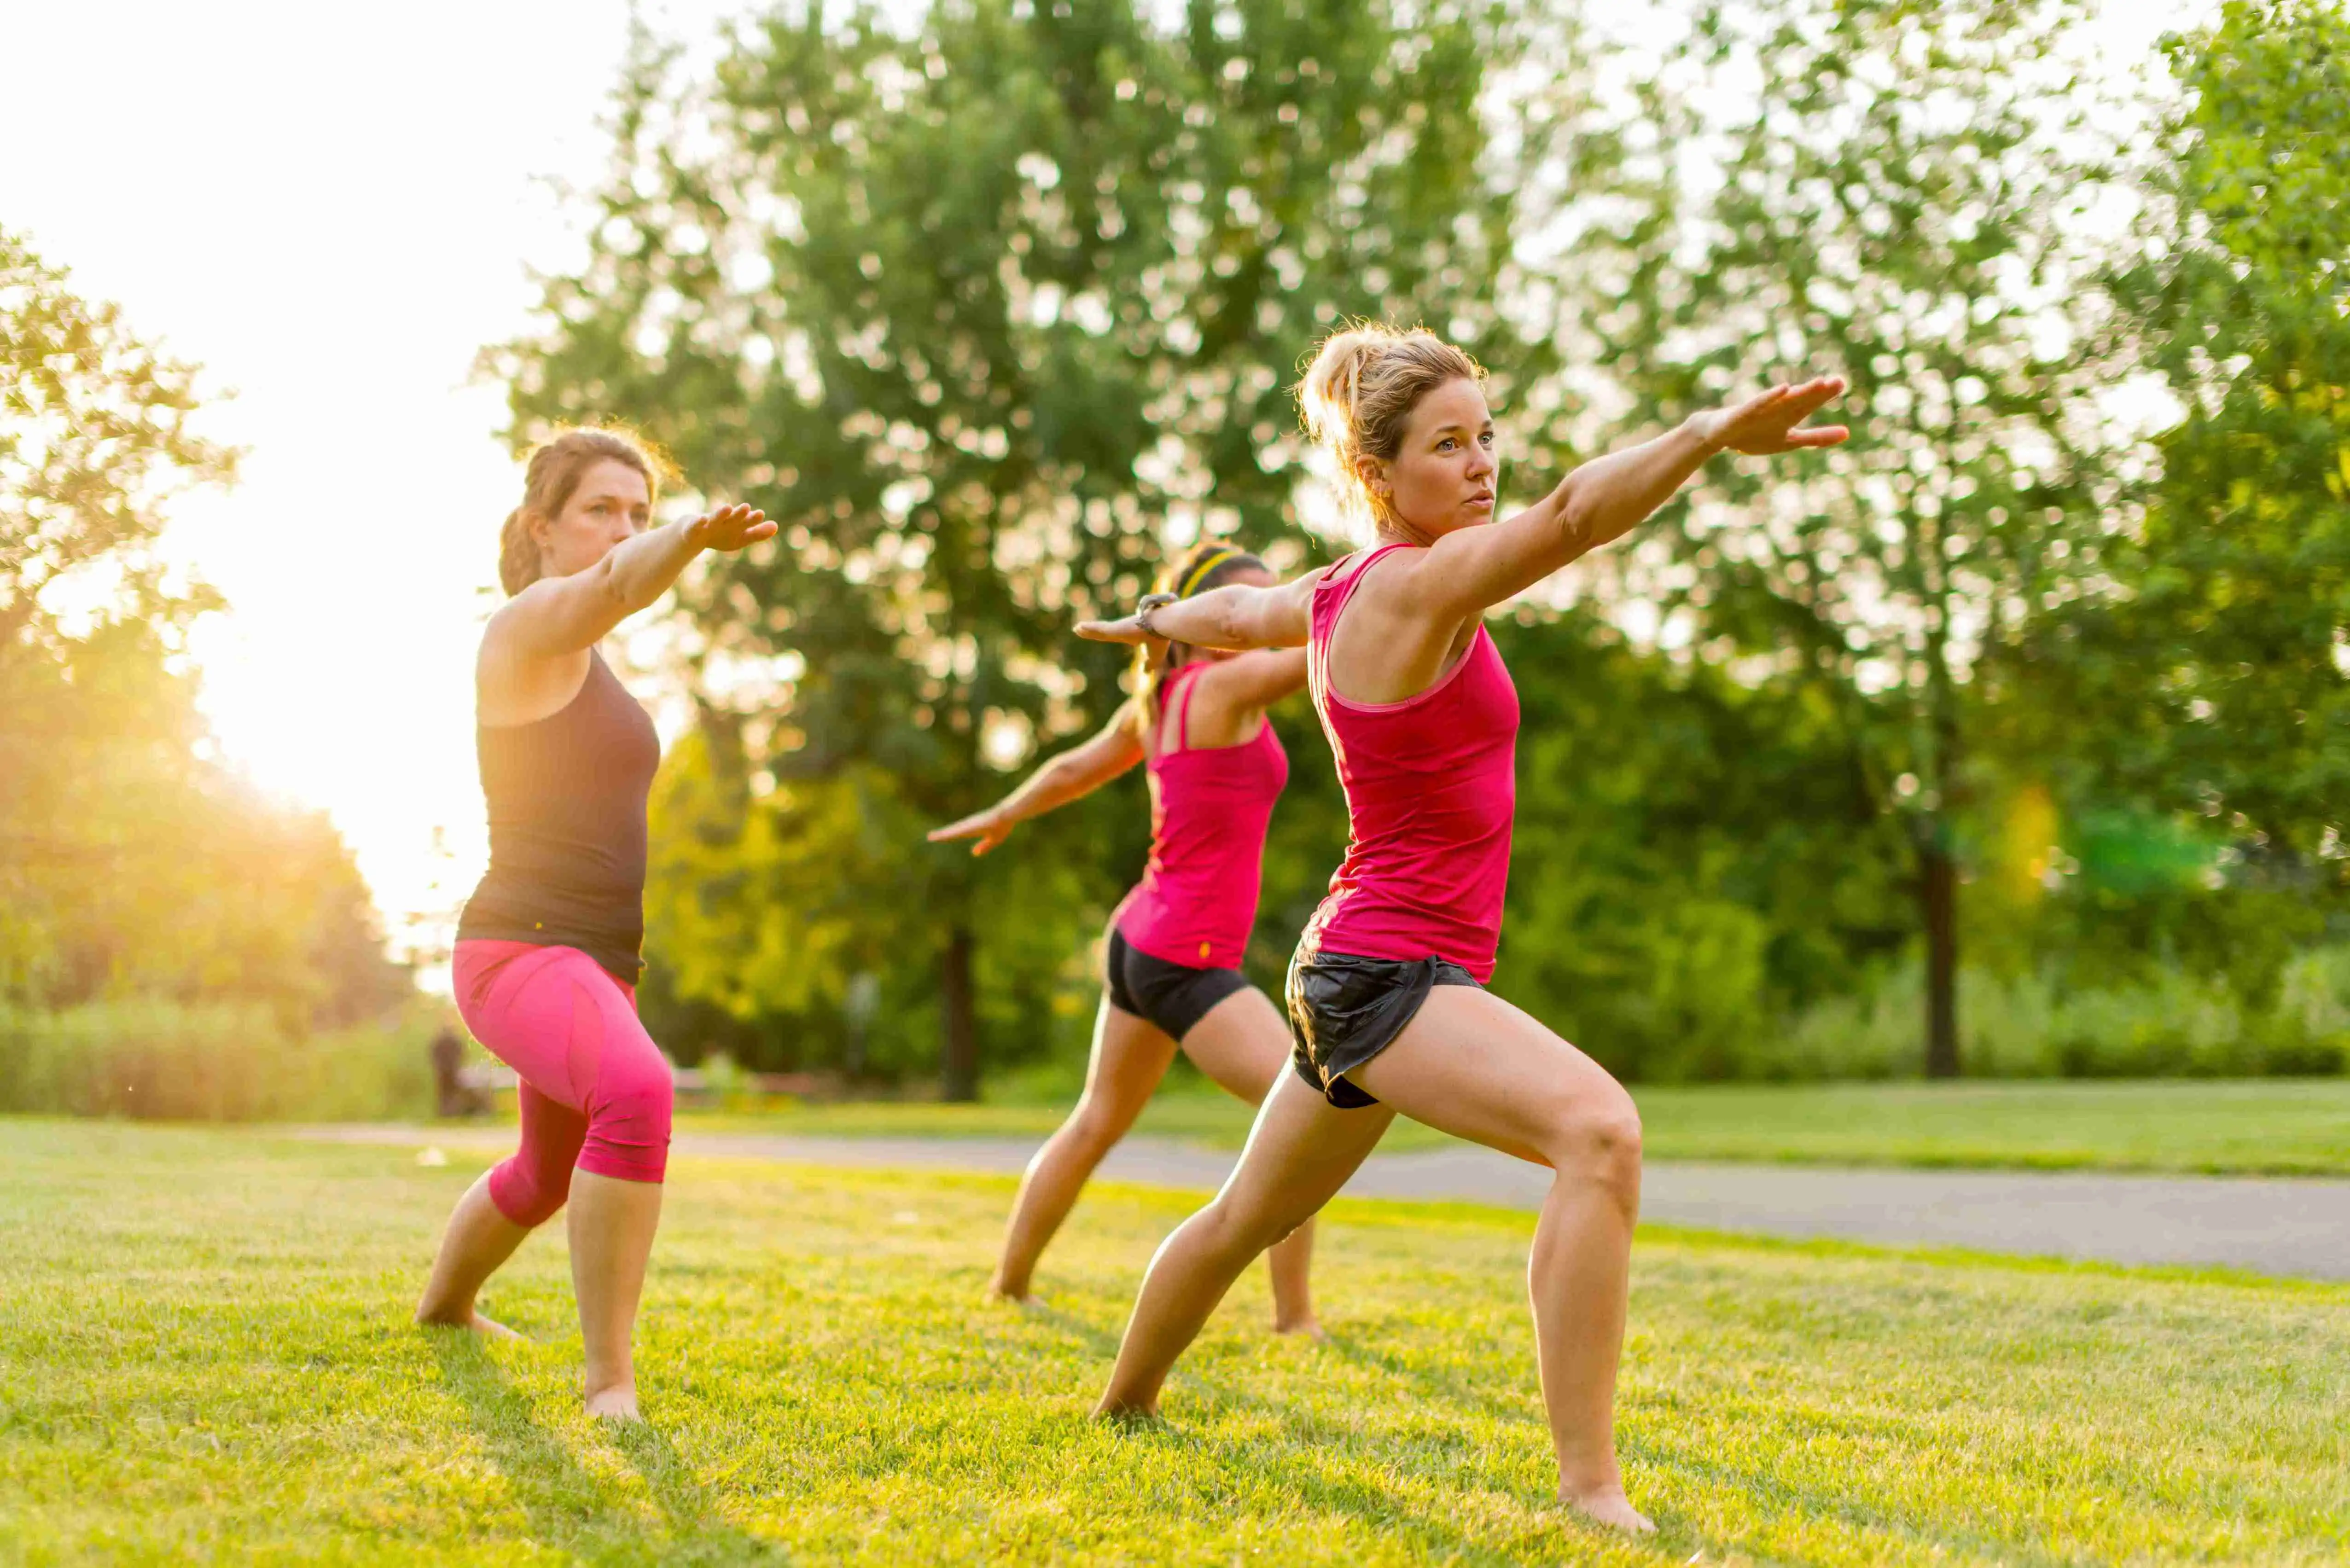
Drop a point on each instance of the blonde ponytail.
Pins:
(1357, 394)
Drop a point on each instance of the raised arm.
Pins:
(1468, 570)
(1233, 617)
(556, 616)
(1071, 775)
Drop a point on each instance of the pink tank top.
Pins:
(1208, 812)
(1432, 788)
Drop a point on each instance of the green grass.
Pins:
(2238, 1126)
(205, 1355)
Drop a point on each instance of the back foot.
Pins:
(486, 1327)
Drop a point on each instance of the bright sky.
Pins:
(332, 208)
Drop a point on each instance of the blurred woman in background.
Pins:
(1172, 977)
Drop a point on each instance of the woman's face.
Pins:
(1443, 476)
(612, 502)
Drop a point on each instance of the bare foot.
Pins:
(1124, 1414)
(473, 1318)
(1607, 1505)
(1309, 1326)
(615, 1404)
(998, 1291)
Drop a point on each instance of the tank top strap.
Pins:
(1183, 678)
(1331, 597)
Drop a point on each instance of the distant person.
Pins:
(548, 949)
(1386, 995)
(451, 1095)
(1172, 975)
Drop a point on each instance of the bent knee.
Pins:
(1599, 1139)
(528, 1190)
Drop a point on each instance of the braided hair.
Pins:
(556, 466)
(1209, 564)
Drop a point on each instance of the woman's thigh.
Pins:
(1242, 1043)
(1130, 1055)
(1474, 1065)
(1300, 1153)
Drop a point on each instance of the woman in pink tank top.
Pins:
(1386, 1000)
(1172, 977)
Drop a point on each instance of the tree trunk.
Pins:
(960, 1053)
(1938, 888)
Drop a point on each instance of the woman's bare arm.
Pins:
(1467, 571)
(556, 616)
(1233, 617)
(1073, 774)
(1257, 680)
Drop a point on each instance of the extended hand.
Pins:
(1766, 423)
(984, 826)
(729, 528)
(1129, 629)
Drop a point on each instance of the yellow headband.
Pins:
(1199, 573)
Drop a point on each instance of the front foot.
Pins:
(1607, 1505)
(1309, 1327)
(1126, 1413)
(617, 1402)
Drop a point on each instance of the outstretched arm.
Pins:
(556, 616)
(1605, 499)
(1233, 617)
(1073, 774)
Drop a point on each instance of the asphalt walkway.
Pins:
(2289, 1227)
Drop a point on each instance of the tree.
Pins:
(131, 863)
(2225, 657)
(990, 313)
(1882, 188)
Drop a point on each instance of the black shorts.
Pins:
(1344, 1011)
(1170, 995)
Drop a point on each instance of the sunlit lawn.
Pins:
(2273, 1126)
(204, 1353)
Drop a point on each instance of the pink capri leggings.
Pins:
(596, 1091)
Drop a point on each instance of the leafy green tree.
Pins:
(131, 863)
(1882, 188)
(2223, 665)
(990, 313)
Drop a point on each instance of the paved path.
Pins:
(2270, 1226)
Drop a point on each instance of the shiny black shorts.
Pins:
(1170, 995)
(1344, 1011)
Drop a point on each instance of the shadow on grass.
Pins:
(1319, 1445)
(569, 1508)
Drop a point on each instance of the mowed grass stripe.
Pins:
(204, 1353)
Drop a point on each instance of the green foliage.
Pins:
(989, 313)
(95, 439)
(1879, 191)
(132, 862)
(224, 1062)
(2216, 682)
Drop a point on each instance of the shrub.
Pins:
(155, 1059)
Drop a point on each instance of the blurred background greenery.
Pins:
(2012, 740)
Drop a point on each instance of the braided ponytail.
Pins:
(556, 466)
